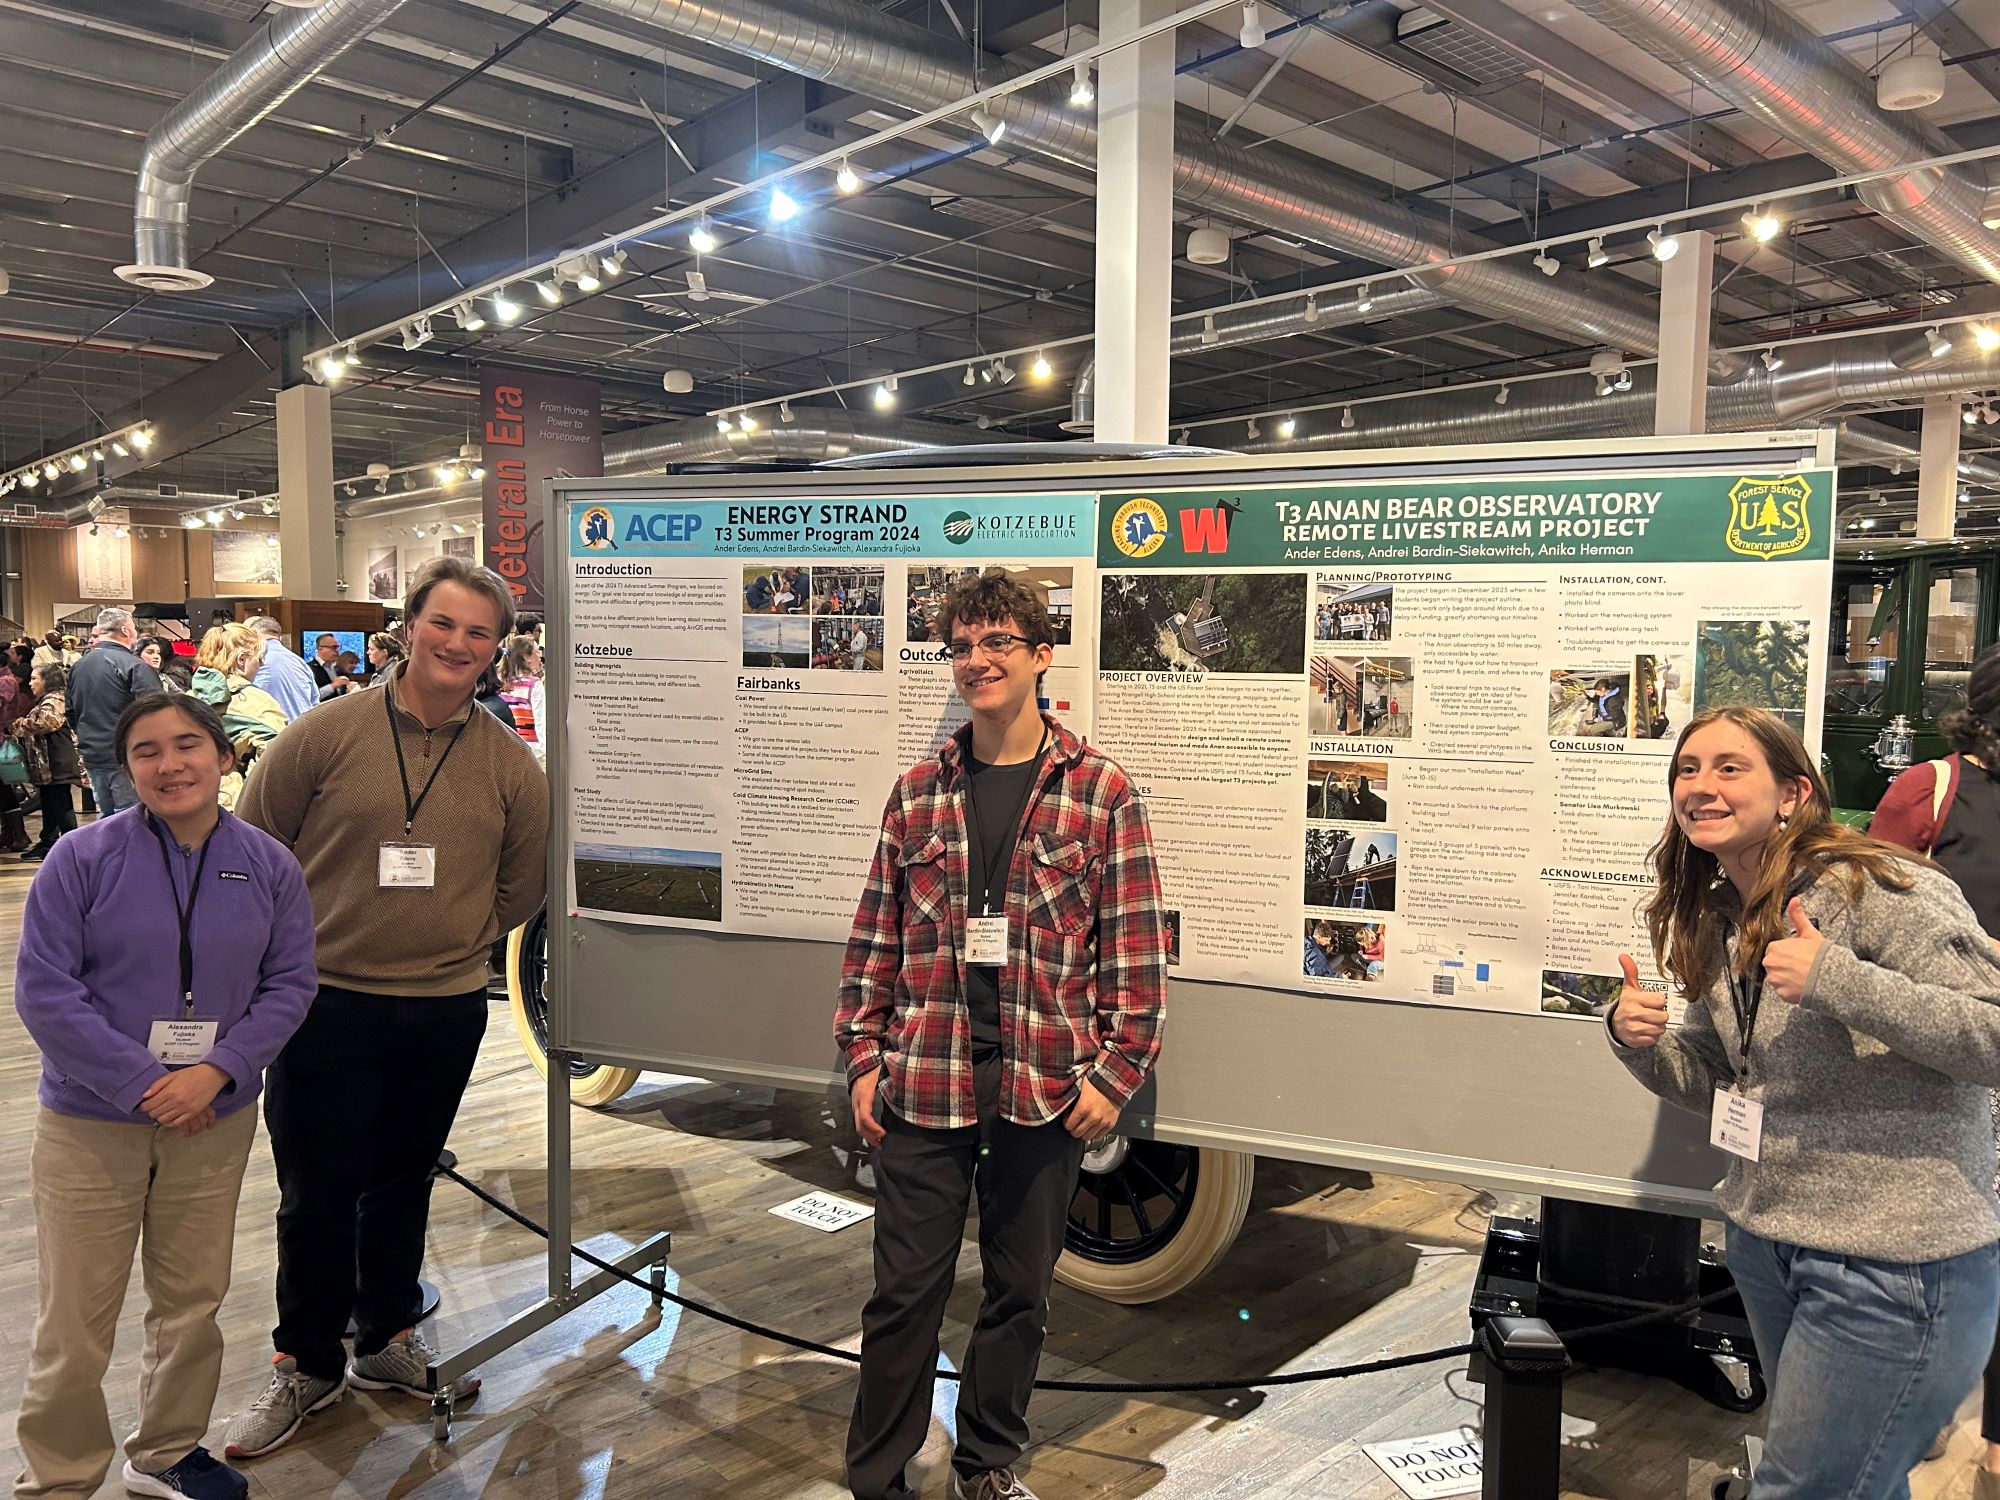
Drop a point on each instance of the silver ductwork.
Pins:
(285, 53)
(1762, 58)
(856, 47)
(815, 435)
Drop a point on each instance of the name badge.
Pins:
(1736, 1124)
(181, 1043)
(406, 866)
(986, 941)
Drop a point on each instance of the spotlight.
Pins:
(271, 542)
(1500, 396)
(1365, 298)
(445, 473)
(1985, 337)
(1208, 333)
(588, 282)
(30, 479)
(1250, 429)
(458, 528)
(1546, 263)
(1181, 438)
(1346, 417)
(417, 532)
(784, 411)
(550, 291)
(1252, 34)
(416, 334)
(93, 528)
(121, 450)
(51, 473)
(236, 511)
(215, 518)
(701, 238)
(884, 397)
(331, 369)
(968, 376)
(478, 473)
(78, 462)
(1603, 385)
(987, 373)
(784, 208)
(1041, 369)
(1665, 246)
(352, 358)
(613, 265)
(1080, 92)
(270, 507)
(1598, 254)
(192, 521)
(722, 424)
(846, 178)
(1289, 426)
(469, 317)
(97, 454)
(1762, 225)
(1773, 360)
(143, 439)
(1969, 415)
(1939, 342)
(988, 126)
(1312, 308)
(348, 491)
(1000, 368)
(504, 308)
(1623, 382)
(1990, 414)
(747, 422)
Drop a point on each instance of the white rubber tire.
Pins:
(1221, 1199)
(598, 1087)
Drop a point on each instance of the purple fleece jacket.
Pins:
(99, 960)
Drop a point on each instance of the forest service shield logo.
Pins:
(1768, 518)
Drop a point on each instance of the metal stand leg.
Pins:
(1523, 1444)
(659, 1280)
(441, 1416)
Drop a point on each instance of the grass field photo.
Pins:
(649, 882)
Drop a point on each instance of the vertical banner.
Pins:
(535, 427)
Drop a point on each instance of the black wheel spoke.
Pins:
(1152, 1173)
(1104, 1216)
(1172, 1194)
(1138, 1208)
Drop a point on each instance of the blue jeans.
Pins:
(111, 789)
(1866, 1360)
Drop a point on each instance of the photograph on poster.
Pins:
(847, 591)
(383, 574)
(1356, 951)
(244, 557)
(1202, 622)
(1172, 919)
(928, 586)
(1662, 696)
(1347, 791)
(466, 547)
(1585, 703)
(1762, 663)
(1371, 696)
(776, 643)
(1568, 993)
(650, 882)
(777, 589)
(1347, 611)
(846, 645)
(1351, 869)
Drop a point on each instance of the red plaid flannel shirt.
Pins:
(1084, 990)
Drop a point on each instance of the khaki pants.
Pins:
(98, 1187)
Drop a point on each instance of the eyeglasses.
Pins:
(993, 646)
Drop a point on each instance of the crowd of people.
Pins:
(260, 821)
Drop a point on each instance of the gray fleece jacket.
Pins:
(1877, 1140)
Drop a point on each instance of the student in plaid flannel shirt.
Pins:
(1000, 1003)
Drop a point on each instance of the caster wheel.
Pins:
(1725, 1395)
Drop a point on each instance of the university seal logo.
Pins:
(1139, 528)
(1768, 517)
(594, 527)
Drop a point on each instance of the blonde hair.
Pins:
(229, 649)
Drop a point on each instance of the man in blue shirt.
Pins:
(283, 675)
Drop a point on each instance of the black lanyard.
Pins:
(1744, 998)
(185, 917)
(411, 809)
(989, 861)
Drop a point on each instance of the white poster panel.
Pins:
(749, 677)
(104, 558)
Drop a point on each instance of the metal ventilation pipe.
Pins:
(814, 435)
(854, 46)
(285, 53)
(1760, 57)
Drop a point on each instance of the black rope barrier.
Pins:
(1097, 1387)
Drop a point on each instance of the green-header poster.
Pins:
(1609, 518)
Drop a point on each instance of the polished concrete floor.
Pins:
(1332, 1267)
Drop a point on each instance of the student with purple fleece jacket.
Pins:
(166, 956)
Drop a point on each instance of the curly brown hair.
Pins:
(993, 597)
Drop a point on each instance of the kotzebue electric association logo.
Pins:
(996, 527)
(593, 527)
(959, 527)
(1769, 517)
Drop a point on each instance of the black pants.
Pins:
(358, 1105)
(1989, 1410)
(924, 1180)
(58, 812)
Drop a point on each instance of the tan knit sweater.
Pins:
(327, 788)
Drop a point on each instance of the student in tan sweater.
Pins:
(421, 824)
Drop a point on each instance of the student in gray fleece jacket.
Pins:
(1843, 1026)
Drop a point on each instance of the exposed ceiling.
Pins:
(481, 135)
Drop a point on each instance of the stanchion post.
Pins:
(1523, 1437)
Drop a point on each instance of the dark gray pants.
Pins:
(924, 1180)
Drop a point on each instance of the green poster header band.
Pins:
(1618, 518)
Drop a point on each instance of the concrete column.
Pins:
(307, 548)
(1937, 469)
(1135, 225)
(1687, 296)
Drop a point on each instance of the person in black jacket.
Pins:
(101, 684)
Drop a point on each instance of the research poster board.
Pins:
(1403, 739)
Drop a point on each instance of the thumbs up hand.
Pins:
(1789, 961)
(1640, 1017)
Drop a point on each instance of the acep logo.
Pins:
(594, 527)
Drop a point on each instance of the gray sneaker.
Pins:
(994, 1484)
(403, 1364)
(273, 1417)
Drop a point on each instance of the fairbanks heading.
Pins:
(1581, 515)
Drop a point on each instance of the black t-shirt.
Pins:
(1968, 846)
(999, 793)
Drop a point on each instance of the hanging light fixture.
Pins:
(613, 265)
(120, 449)
(747, 421)
(784, 207)
(989, 126)
(51, 473)
(1597, 255)
(1762, 225)
(1772, 359)
(504, 307)
(846, 179)
(1346, 417)
(1938, 341)
(1312, 308)
(1208, 333)
(701, 238)
(470, 318)
(1252, 34)
(1500, 396)
(1546, 263)
(723, 424)
(1365, 298)
(549, 290)
(969, 378)
(1250, 429)
(143, 439)
(78, 462)
(586, 280)
(1665, 246)
(784, 411)
(884, 397)
(331, 369)
(1289, 426)
(1041, 369)
(1081, 94)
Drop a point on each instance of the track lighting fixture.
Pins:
(784, 207)
(78, 462)
(701, 238)
(970, 379)
(1208, 333)
(1665, 246)
(1182, 436)
(587, 281)
(271, 542)
(30, 479)
(121, 450)
(192, 521)
(846, 179)
(477, 472)
(989, 126)
(1252, 33)
(1762, 225)
(1938, 341)
(331, 369)
(1081, 94)
(1288, 426)
(1250, 429)
(1985, 337)
(97, 455)
(417, 532)
(1546, 263)
(884, 397)
(986, 374)
(746, 421)
(1989, 414)
(722, 424)
(784, 411)
(1969, 415)
(615, 264)
(352, 358)
(143, 439)
(1772, 359)
(416, 334)
(550, 291)
(1041, 368)
(1623, 382)
(1346, 418)
(504, 307)
(236, 511)
(1500, 396)
(1597, 255)
(458, 528)
(1312, 308)
(214, 518)
(1001, 368)
(470, 318)
(1365, 298)
(51, 473)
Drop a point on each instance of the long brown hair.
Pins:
(1686, 923)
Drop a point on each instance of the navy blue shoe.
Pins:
(197, 1476)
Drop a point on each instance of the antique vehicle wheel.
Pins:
(1149, 1218)
(527, 1001)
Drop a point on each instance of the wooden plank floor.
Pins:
(1332, 1267)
